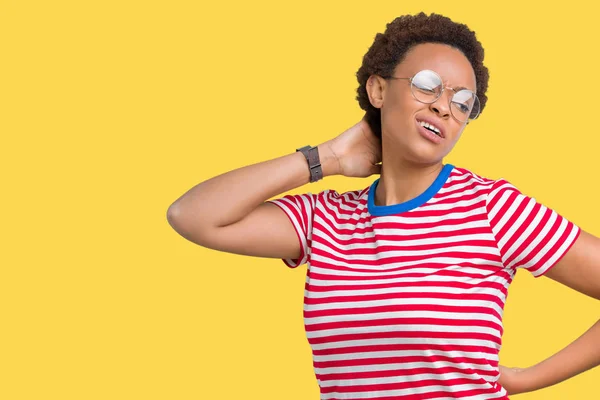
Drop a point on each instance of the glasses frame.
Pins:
(440, 94)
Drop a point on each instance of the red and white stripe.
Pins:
(409, 306)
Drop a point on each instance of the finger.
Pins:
(376, 169)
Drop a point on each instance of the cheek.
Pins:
(457, 133)
(399, 107)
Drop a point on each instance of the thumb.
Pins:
(502, 369)
(376, 169)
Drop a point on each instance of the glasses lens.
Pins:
(426, 86)
(464, 105)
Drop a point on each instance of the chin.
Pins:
(423, 153)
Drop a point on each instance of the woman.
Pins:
(407, 278)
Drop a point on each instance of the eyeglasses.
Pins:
(427, 86)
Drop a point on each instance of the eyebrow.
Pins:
(459, 88)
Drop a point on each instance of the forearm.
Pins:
(579, 356)
(227, 198)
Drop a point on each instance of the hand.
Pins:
(514, 380)
(357, 151)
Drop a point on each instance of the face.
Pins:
(402, 115)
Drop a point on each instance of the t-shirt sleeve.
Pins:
(300, 211)
(529, 235)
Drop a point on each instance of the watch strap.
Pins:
(314, 163)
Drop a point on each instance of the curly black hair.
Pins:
(403, 33)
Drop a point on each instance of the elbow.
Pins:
(187, 225)
(172, 215)
(176, 218)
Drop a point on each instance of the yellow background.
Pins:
(110, 110)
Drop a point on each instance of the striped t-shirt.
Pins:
(406, 301)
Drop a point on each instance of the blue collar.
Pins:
(379, 211)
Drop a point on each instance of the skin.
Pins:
(579, 269)
(410, 162)
(230, 212)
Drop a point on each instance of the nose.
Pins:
(441, 106)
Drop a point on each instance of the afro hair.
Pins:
(403, 33)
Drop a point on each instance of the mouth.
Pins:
(432, 128)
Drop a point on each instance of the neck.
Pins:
(402, 181)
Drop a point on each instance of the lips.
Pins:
(432, 122)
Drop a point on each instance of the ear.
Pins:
(375, 90)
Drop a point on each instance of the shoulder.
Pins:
(460, 173)
(491, 192)
(469, 180)
(500, 196)
(328, 198)
(338, 203)
(348, 198)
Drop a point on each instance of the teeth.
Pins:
(430, 127)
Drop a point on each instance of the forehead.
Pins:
(449, 62)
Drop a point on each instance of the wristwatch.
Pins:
(314, 163)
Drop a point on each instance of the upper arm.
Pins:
(528, 234)
(579, 268)
(265, 232)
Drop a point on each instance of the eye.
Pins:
(427, 82)
(463, 108)
(425, 89)
(463, 101)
